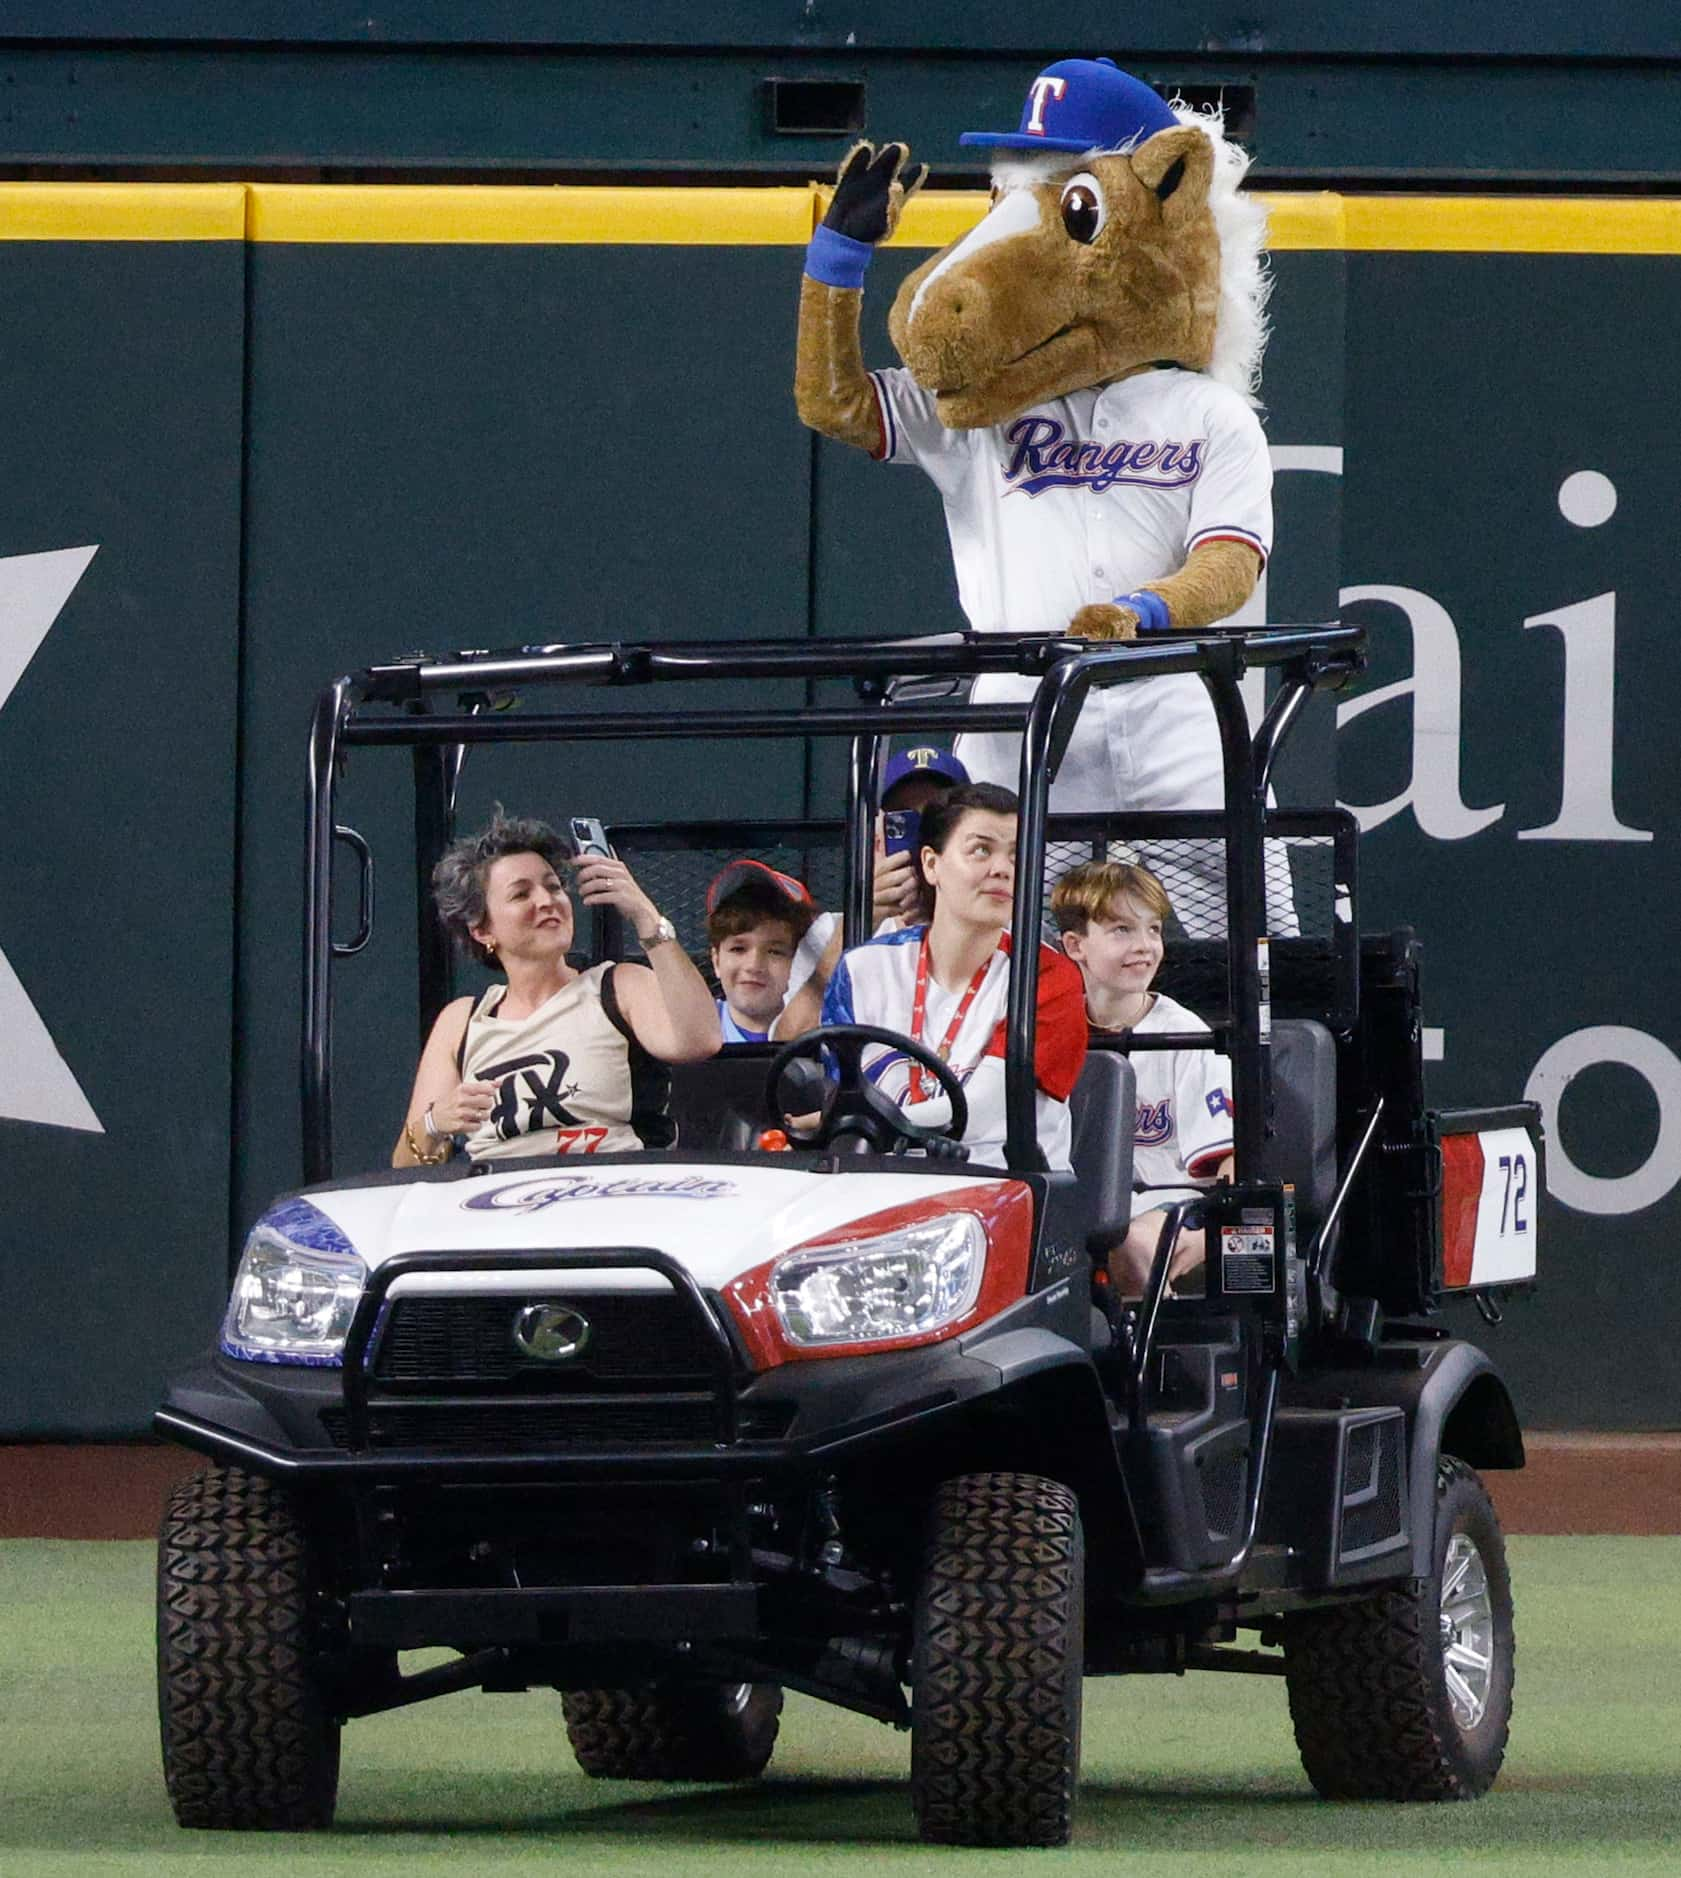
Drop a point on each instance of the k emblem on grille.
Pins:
(552, 1333)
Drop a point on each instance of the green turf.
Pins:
(1199, 1774)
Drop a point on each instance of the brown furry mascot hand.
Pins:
(1104, 622)
(1218, 576)
(872, 187)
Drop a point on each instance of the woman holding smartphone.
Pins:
(553, 1060)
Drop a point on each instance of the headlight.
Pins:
(296, 1290)
(902, 1284)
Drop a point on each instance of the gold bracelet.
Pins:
(438, 1155)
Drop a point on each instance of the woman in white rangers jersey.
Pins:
(1079, 384)
(946, 985)
(554, 1061)
(1110, 916)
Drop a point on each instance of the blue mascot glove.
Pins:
(1151, 609)
(861, 213)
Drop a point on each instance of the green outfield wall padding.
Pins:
(262, 434)
(1428, 95)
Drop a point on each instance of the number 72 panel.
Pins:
(1492, 1179)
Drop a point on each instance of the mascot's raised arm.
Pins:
(1078, 381)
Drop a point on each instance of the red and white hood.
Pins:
(718, 1222)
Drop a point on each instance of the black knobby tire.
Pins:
(1371, 1696)
(248, 1740)
(674, 1731)
(997, 1661)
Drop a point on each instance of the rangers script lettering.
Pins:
(1045, 455)
(1154, 1123)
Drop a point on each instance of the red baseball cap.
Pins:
(745, 872)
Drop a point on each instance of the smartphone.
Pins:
(588, 837)
(901, 830)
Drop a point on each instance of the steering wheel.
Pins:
(857, 1106)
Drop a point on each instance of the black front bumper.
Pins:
(273, 1420)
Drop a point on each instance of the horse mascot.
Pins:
(1079, 382)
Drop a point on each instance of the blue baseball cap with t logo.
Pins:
(1082, 104)
(925, 760)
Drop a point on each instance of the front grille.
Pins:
(525, 1427)
(637, 1340)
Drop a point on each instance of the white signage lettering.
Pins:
(1657, 1175)
(1585, 813)
(36, 1084)
(1434, 687)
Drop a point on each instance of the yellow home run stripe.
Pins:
(1513, 225)
(779, 217)
(122, 211)
(1398, 224)
(487, 213)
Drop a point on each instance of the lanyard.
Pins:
(919, 1009)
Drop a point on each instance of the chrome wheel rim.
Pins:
(1467, 1629)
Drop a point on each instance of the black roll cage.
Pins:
(397, 704)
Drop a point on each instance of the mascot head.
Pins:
(1116, 240)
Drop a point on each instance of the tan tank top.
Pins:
(572, 1077)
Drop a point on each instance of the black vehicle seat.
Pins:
(720, 1103)
(1101, 1110)
(1302, 1148)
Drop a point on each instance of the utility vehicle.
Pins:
(671, 1433)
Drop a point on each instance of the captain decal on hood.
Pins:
(532, 1196)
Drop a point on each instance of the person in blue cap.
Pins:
(1079, 382)
(912, 781)
(915, 777)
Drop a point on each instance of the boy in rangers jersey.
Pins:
(946, 985)
(1110, 916)
(1079, 384)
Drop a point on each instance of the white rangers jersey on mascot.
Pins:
(1072, 503)
(1076, 501)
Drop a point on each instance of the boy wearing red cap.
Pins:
(755, 920)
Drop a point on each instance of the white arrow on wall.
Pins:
(36, 1084)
